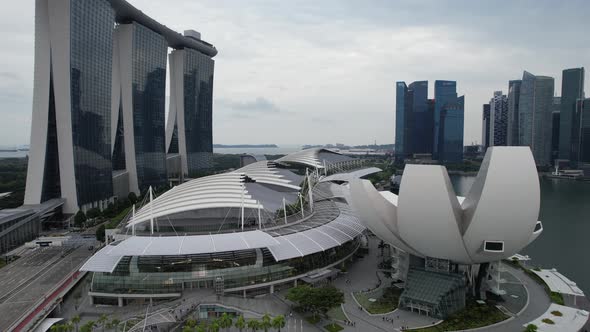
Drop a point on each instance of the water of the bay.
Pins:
(565, 241)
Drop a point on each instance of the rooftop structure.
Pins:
(256, 227)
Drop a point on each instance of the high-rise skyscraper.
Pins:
(535, 115)
(190, 114)
(70, 149)
(513, 99)
(582, 133)
(414, 119)
(445, 92)
(451, 131)
(139, 92)
(98, 101)
(572, 89)
(498, 119)
(485, 127)
(555, 112)
(401, 89)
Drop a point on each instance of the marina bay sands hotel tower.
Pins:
(98, 128)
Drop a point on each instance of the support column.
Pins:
(272, 289)
(120, 300)
(244, 293)
(91, 300)
(295, 283)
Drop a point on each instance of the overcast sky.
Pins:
(299, 72)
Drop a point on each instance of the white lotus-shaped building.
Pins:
(496, 219)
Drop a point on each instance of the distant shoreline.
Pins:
(242, 146)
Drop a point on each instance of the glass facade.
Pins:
(451, 131)
(91, 50)
(400, 109)
(485, 127)
(535, 116)
(555, 114)
(119, 148)
(172, 274)
(513, 98)
(51, 179)
(149, 96)
(444, 92)
(572, 89)
(198, 105)
(499, 119)
(583, 133)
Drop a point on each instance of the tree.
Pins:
(253, 325)
(132, 197)
(265, 323)
(316, 300)
(225, 322)
(531, 328)
(187, 328)
(278, 322)
(76, 321)
(80, 219)
(100, 235)
(240, 323)
(102, 321)
(88, 327)
(115, 324)
(214, 326)
(93, 213)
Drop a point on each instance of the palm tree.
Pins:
(254, 325)
(214, 326)
(187, 328)
(88, 327)
(225, 322)
(278, 322)
(240, 323)
(102, 321)
(202, 327)
(266, 324)
(115, 324)
(76, 321)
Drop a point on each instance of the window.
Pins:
(494, 246)
(538, 227)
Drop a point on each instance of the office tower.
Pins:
(485, 127)
(444, 92)
(189, 128)
(451, 131)
(498, 119)
(513, 98)
(555, 112)
(70, 149)
(535, 115)
(414, 119)
(401, 90)
(582, 133)
(572, 89)
(138, 109)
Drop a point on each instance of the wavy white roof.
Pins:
(225, 190)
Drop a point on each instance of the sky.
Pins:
(315, 72)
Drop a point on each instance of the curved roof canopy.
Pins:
(315, 157)
(216, 191)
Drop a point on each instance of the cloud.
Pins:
(258, 105)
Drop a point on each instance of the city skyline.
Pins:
(261, 82)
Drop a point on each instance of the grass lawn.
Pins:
(117, 219)
(336, 313)
(474, 315)
(387, 300)
(333, 327)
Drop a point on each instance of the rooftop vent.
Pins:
(192, 34)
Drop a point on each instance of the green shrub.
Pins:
(548, 321)
(557, 313)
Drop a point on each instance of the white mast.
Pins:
(285, 210)
(301, 205)
(259, 219)
(309, 193)
(132, 220)
(151, 210)
(242, 208)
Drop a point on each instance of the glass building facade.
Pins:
(91, 50)
(198, 105)
(445, 92)
(149, 97)
(172, 274)
(401, 89)
(582, 135)
(499, 119)
(535, 116)
(485, 126)
(555, 114)
(513, 102)
(451, 131)
(572, 89)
